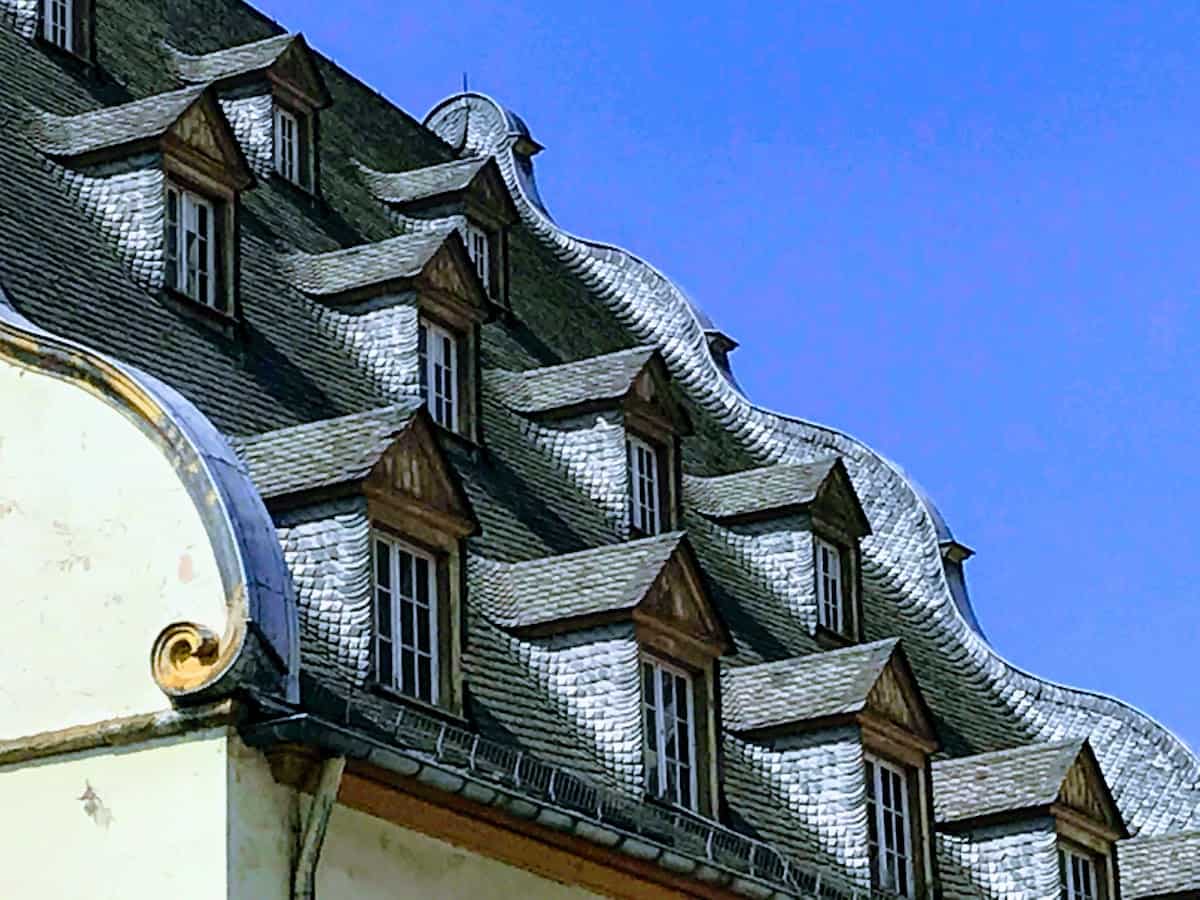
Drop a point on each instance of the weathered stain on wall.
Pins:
(146, 821)
(101, 547)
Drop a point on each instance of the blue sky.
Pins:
(966, 233)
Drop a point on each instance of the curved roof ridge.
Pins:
(717, 392)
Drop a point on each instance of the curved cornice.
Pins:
(1156, 777)
(189, 661)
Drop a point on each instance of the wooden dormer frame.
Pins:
(414, 496)
(653, 415)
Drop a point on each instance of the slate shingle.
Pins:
(757, 490)
(1003, 781)
(421, 184)
(112, 127)
(605, 579)
(394, 259)
(608, 377)
(324, 453)
(803, 688)
(1166, 865)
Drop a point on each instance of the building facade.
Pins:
(366, 534)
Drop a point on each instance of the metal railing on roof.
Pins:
(514, 770)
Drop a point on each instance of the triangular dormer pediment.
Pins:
(677, 607)
(1085, 791)
(296, 72)
(449, 274)
(413, 474)
(837, 500)
(650, 396)
(201, 138)
(895, 698)
(488, 199)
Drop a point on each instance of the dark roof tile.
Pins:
(325, 453)
(1003, 781)
(804, 688)
(601, 378)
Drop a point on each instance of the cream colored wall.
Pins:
(363, 858)
(368, 859)
(142, 822)
(100, 546)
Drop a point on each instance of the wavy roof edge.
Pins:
(524, 187)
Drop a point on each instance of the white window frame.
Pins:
(831, 586)
(660, 763)
(398, 631)
(643, 466)
(479, 249)
(1077, 869)
(59, 33)
(893, 864)
(193, 228)
(438, 352)
(287, 148)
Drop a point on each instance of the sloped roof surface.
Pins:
(608, 377)
(393, 259)
(1167, 865)
(319, 454)
(756, 490)
(605, 579)
(1003, 781)
(295, 362)
(113, 127)
(807, 687)
(232, 61)
(419, 184)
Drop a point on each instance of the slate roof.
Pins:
(608, 377)
(232, 61)
(608, 579)
(757, 490)
(394, 259)
(421, 184)
(788, 691)
(293, 362)
(1162, 866)
(115, 126)
(324, 453)
(1022, 778)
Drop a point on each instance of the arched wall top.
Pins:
(188, 661)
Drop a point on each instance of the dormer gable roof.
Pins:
(284, 58)
(656, 579)
(599, 381)
(436, 257)
(825, 689)
(771, 491)
(477, 178)
(188, 119)
(1027, 780)
(394, 448)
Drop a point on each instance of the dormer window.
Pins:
(279, 70)
(644, 486)
(889, 826)
(191, 240)
(406, 618)
(669, 733)
(835, 602)
(1079, 877)
(58, 23)
(469, 192)
(287, 145)
(437, 351)
(478, 248)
